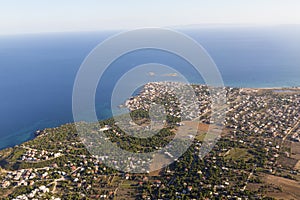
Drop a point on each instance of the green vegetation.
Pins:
(242, 164)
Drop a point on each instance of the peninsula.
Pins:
(257, 157)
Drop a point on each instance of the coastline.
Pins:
(32, 134)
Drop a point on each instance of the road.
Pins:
(289, 133)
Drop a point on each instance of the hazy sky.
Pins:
(25, 16)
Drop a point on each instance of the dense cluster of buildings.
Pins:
(34, 155)
(261, 119)
(179, 99)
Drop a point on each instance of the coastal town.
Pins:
(256, 157)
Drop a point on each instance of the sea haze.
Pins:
(37, 72)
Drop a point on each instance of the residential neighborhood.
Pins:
(257, 155)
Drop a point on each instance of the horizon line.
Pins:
(180, 27)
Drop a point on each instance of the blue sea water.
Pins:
(37, 71)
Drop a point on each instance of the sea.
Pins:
(37, 71)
